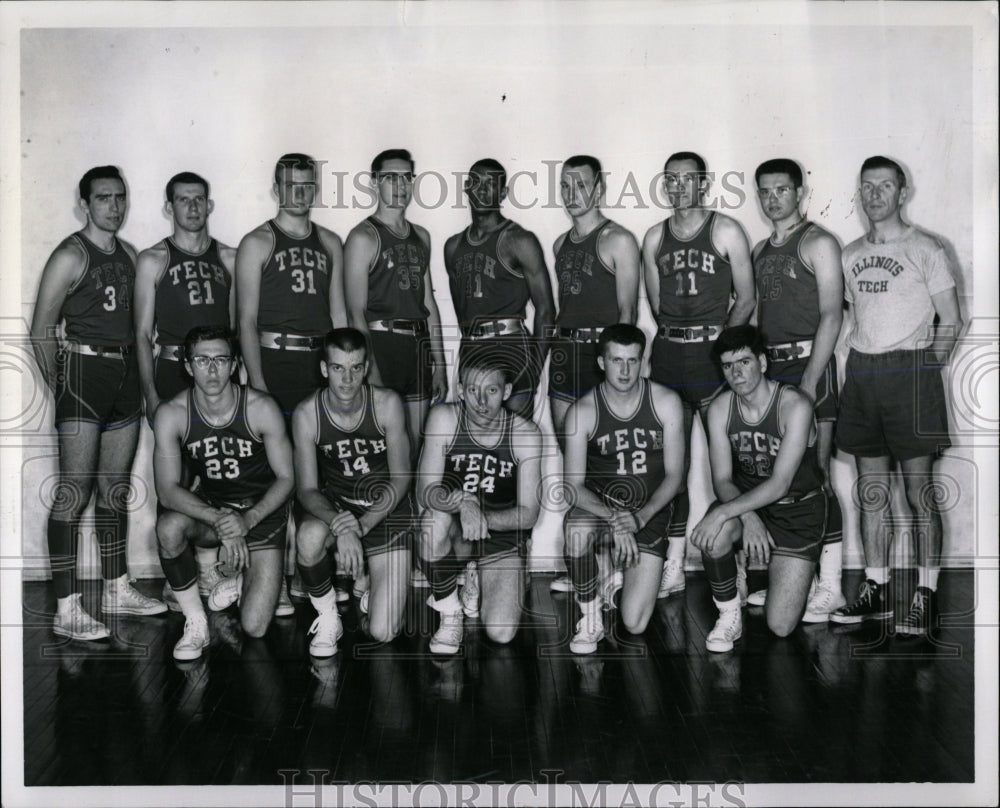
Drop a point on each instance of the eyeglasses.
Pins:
(779, 191)
(396, 179)
(220, 362)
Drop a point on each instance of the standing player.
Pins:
(352, 471)
(494, 268)
(389, 295)
(800, 294)
(477, 483)
(763, 449)
(898, 280)
(624, 463)
(694, 262)
(234, 439)
(87, 286)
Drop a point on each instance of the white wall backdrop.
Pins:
(828, 87)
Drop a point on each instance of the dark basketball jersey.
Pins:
(295, 285)
(353, 463)
(588, 297)
(482, 285)
(98, 307)
(696, 282)
(397, 275)
(755, 446)
(625, 455)
(787, 295)
(230, 459)
(490, 473)
(193, 291)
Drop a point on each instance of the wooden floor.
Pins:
(824, 705)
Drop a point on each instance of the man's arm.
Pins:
(619, 250)
(359, 252)
(148, 271)
(528, 451)
(264, 417)
(227, 255)
(949, 323)
(822, 252)
(169, 423)
(389, 412)
(306, 468)
(733, 244)
(338, 308)
(441, 424)
(667, 405)
(439, 375)
(719, 452)
(651, 272)
(575, 462)
(62, 270)
(528, 258)
(250, 258)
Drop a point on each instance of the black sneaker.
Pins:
(917, 622)
(870, 605)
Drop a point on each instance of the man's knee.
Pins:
(255, 624)
(434, 533)
(500, 633)
(170, 534)
(921, 494)
(636, 618)
(115, 492)
(579, 535)
(310, 541)
(782, 625)
(70, 499)
(380, 630)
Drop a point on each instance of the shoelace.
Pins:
(917, 608)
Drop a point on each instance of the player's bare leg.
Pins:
(389, 585)
(788, 582)
(501, 582)
(639, 592)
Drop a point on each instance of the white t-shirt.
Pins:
(889, 287)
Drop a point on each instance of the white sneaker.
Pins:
(225, 593)
(470, 592)
(672, 579)
(822, 601)
(169, 598)
(363, 602)
(120, 597)
(448, 638)
(561, 584)
(208, 580)
(758, 598)
(589, 630)
(194, 640)
(728, 629)
(327, 629)
(609, 586)
(284, 606)
(742, 589)
(361, 585)
(76, 624)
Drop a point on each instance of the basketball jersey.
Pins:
(787, 295)
(353, 463)
(397, 275)
(98, 306)
(625, 455)
(193, 291)
(588, 297)
(230, 459)
(755, 447)
(295, 284)
(489, 473)
(696, 282)
(482, 285)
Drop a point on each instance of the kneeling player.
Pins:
(233, 438)
(624, 463)
(352, 469)
(762, 446)
(478, 485)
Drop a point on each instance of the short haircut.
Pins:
(185, 178)
(490, 166)
(292, 161)
(346, 339)
(694, 157)
(780, 165)
(384, 157)
(738, 337)
(621, 334)
(878, 161)
(484, 357)
(585, 160)
(203, 333)
(98, 173)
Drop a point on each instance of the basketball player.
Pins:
(390, 298)
(352, 470)
(800, 310)
(494, 268)
(477, 483)
(763, 450)
(624, 464)
(597, 268)
(234, 439)
(694, 263)
(86, 287)
(898, 280)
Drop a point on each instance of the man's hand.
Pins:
(757, 542)
(625, 550)
(344, 522)
(473, 520)
(439, 384)
(231, 528)
(349, 554)
(623, 521)
(706, 532)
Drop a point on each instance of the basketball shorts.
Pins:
(170, 378)
(268, 534)
(651, 539)
(688, 368)
(573, 369)
(517, 354)
(290, 376)
(395, 532)
(797, 527)
(405, 363)
(827, 396)
(892, 404)
(101, 390)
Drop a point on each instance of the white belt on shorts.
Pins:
(289, 342)
(485, 329)
(802, 498)
(696, 333)
(175, 353)
(97, 350)
(577, 334)
(414, 327)
(786, 351)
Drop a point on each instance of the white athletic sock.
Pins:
(726, 605)
(928, 576)
(206, 557)
(879, 575)
(324, 603)
(449, 605)
(830, 564)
